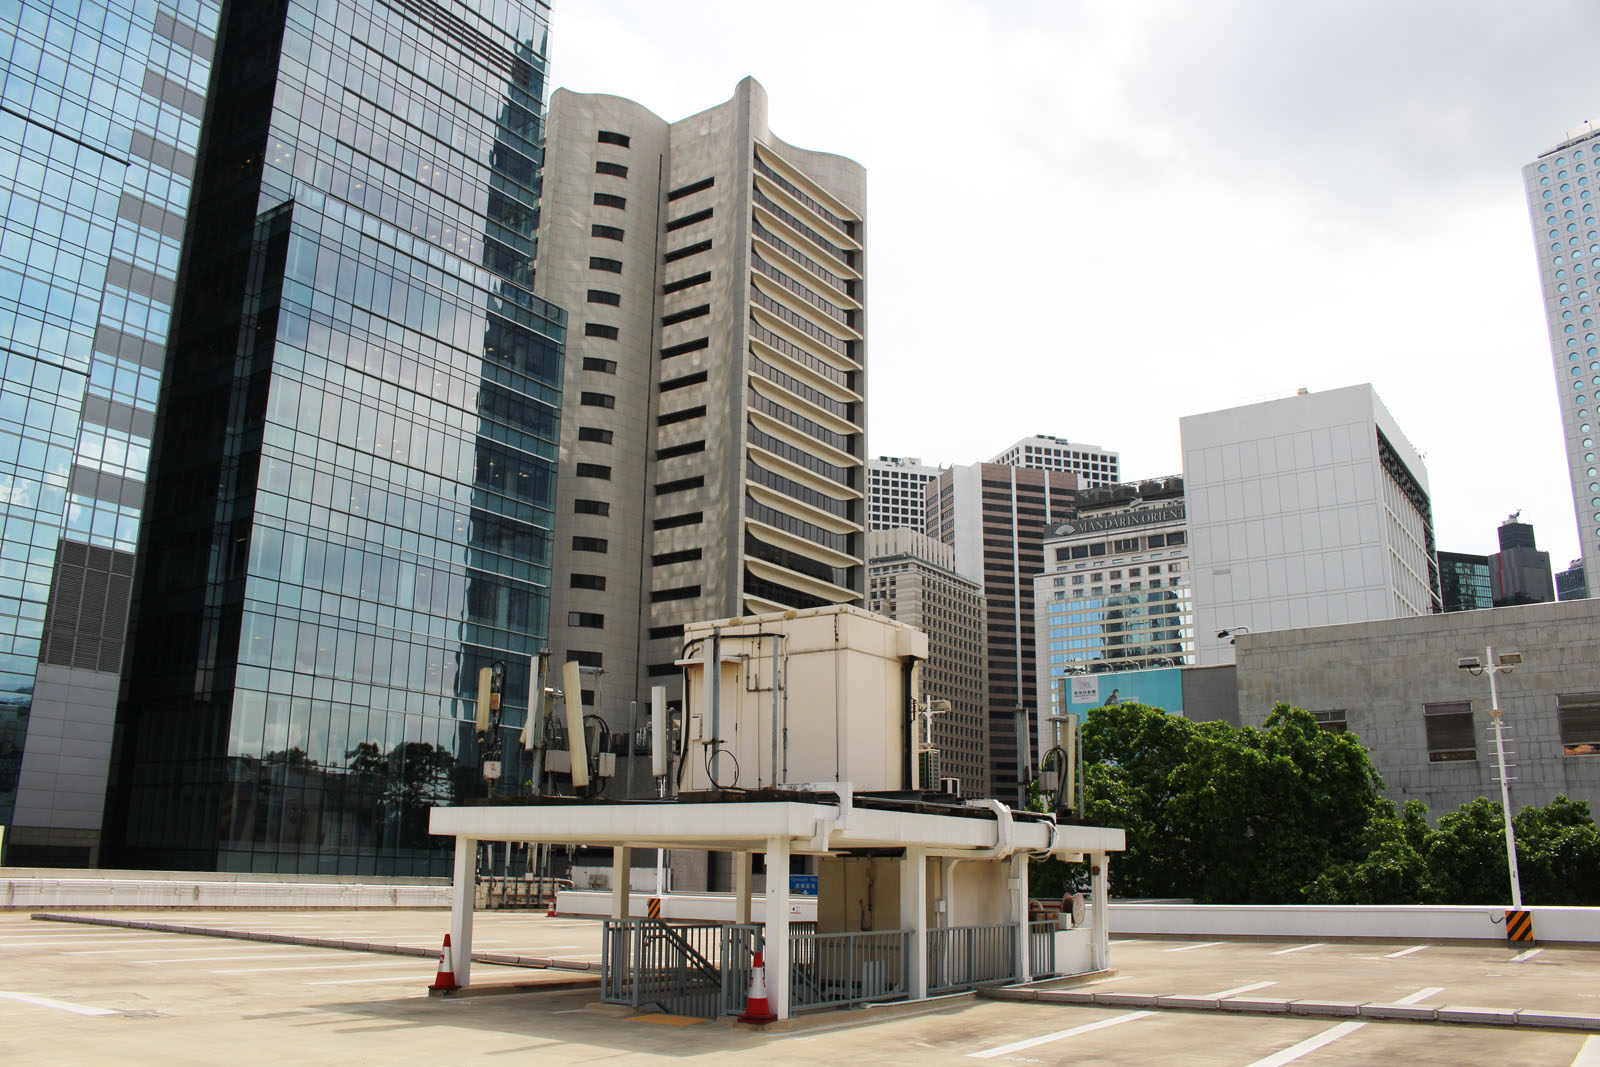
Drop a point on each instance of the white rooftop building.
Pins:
(1092, 464)
(1306, 511)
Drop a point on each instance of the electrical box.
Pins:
(819, 695)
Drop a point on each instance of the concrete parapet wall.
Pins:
(716, 907)
(146, 889)
(1403, 922)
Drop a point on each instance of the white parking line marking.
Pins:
(1191, 948)
(1589, 1054)
(1310, 1044)
(368, 981)
(1033, 1042)
(1420, 995)
(143, 947)
(1252, 987)
(225, 959)
(120, 941)
(319, 967)
(58, 1005)
(1297, 948)
(1103, 981)
(1528, 955)
(1128, 941)
(1404, 952)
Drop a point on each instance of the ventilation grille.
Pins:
(87, 616)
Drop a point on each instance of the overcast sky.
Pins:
(1087, 219)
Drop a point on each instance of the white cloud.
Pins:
(1090, 218)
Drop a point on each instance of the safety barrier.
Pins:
(961, 957)
(835, 970)
(672, 966)
(1042, 948)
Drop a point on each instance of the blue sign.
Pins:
(1159, 687)
(803, 885)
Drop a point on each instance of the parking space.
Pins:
(77, 993)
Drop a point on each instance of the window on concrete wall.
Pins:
(1334, 722)
(1579, 716)
(1451, 733)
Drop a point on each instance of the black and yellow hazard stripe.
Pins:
(1519, 925)
(653, 909)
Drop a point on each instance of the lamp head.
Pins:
(1469, 663)
(1510, 659)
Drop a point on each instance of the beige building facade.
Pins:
(713, 441)
(911, 578)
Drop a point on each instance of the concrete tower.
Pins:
(712, 457)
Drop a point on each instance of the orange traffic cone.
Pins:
(756, 1008)
(445, 981)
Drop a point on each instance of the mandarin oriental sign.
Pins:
(1122, 521)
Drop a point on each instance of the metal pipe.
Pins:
(1497, 714)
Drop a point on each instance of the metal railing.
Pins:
(740, 943)
(834, 970)
(961, 957)
(670, 965)
(1042, 948)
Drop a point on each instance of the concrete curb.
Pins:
(1456, 1015)
(540, 963)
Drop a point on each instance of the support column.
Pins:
(914, 917)
(1018, 882)
(1100, 901)
(463, 898)
(741, 886)
(777, 925)
(621, 864)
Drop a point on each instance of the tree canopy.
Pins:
(1290, 813)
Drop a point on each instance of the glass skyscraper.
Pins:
(353, 466)
(100, 117)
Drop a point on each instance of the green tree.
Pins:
(1227, 815)
(1558, 853)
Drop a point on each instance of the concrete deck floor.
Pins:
(85, 994)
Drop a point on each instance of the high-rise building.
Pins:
(1570, 584)
(99, 123)
(896, 487)
(353, 467)
(1092, 464)
(712, 455)
(1562, 202)
(995, 518)
(1305, 511)
(1114, 592)
(1464, 581)
(1519, 573)
(911, 578)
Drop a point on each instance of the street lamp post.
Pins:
(1504, 665)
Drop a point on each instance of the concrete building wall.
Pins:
(732, 480)
(1383, 674)
(1310, 510)
(610, 376)
(995, 517)
(911, 580)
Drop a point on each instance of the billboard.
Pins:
(1159, 687)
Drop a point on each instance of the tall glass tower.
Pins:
(353, 467)
(99, 122)
(1563, 187)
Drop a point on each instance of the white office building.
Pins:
(1306, 511)
(1561, 201)
(895, 492)
(1092, 464)
(1114, 593)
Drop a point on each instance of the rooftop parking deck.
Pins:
(77, 993)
